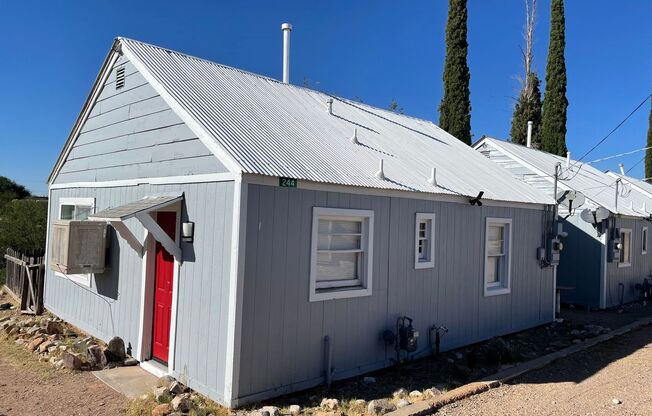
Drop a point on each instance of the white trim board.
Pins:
(236, 289)
(163, 180)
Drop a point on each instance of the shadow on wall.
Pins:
(579, 268)
(107, 283)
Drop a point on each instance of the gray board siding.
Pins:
(111, 306)
(641, 265)
(282, 332)
(132, 133)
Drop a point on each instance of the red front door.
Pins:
(163, 279)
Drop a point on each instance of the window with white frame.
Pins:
(341, 254)
(424, 241)
(626, 249)
(498, 236)
(76, 209)
(644, 241)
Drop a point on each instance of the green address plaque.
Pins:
(287, 182)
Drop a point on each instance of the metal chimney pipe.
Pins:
(529, 133)
(286, 28)
(567, 160)
(622, 169)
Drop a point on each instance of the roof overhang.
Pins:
(141, 210)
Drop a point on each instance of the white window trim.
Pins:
(82, 279)
(644, 240)
(493, 289)
(431, 241)
(621, 263)
(365, 290)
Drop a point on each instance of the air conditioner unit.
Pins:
(78, 247)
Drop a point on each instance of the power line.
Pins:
(618, 155)
(613, 130)
(626, 172)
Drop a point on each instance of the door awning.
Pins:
(133, 209)
(140, 210)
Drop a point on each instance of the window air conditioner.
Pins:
(78, 247)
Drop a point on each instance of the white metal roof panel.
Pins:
(597, 186)
(277, 129)
(126, 211)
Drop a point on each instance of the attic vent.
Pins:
(120, 78)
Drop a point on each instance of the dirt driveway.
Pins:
(583, 384)
(28, 387)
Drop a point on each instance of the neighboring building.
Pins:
(314, 216)
(593, 271)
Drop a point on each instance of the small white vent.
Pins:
(120, 78)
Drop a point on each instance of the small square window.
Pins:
(498, 233)
(76, 209)
(424, 248)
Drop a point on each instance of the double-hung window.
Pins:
(644, 240)
(498, 236)
(342, 253)
(626, 249)
(76, 209)
(424, 244)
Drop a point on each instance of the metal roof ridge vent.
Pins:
(529, 133)
(329, 105)
(621, 166)
(433, 177)
(381, 172)
(286, 28)
(354, 138)
(568, 154)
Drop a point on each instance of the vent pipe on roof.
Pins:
(381, 172)
(529, 133)
(433, 177)
(286, 28)
(622, 169)
(329, 105)
(567, 160)
(354, 139)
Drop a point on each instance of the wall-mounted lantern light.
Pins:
(188, 232)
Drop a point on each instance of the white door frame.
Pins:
(144, 352)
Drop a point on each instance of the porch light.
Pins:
(188, 231)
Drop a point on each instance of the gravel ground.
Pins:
(586, 383)
(29, 387)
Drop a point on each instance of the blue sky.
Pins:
(374, 50)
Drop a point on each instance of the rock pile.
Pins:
(54, 342)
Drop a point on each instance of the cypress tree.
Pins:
(555, 104)
(648, 152)
(528, 108)
(455, 107)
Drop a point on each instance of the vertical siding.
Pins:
(111, 306)
(580, 265)
(132, 133)
(282, 338)
(641, 265)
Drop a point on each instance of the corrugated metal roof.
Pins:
(276, 129)
(537, 168)
(131, 209)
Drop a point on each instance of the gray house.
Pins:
(318, 222)
(605, 256)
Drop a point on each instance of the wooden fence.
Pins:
(25, 279)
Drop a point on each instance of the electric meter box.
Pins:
(613, 247)
(78, 247)
(554, 251)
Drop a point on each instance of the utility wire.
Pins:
(626, 172)
(613, 130)
(618, 155)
